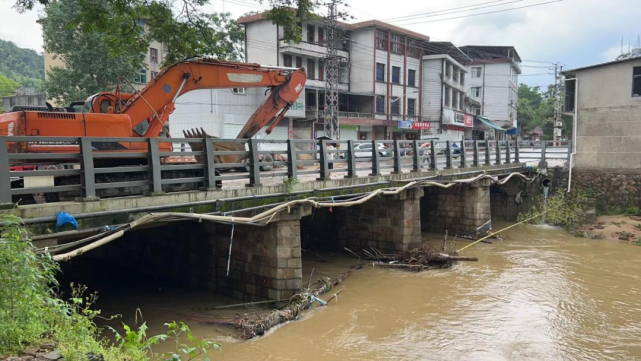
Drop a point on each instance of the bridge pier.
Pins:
(461, 208)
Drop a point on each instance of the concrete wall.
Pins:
(262, 43)
(362, 61)
(608, 133)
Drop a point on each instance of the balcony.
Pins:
(314, 50)
(311, 112)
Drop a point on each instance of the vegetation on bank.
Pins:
(559, 210)
(32, 312)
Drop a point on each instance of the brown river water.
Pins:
(539, 294)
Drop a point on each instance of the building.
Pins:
(25, 97)
(446, 104)
(379, 77)
(493, 82)
(605, 100)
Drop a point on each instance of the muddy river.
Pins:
(539, 294)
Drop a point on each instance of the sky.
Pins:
(573, 33)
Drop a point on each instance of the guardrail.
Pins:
(545, 150)
(90, 168)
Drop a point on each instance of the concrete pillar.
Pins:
(391, 224)
(265, 261)
(461, 208)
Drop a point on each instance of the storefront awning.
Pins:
(489, 123)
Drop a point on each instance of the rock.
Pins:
(31, 351)
(48, 346)
(53, 355)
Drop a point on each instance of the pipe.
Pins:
(575, 122)
(89, 247)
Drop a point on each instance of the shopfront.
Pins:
(457, 124)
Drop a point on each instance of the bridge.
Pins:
(331, 194)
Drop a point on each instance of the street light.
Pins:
(389, 133)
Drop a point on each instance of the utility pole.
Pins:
(558, 122)
(332, 127)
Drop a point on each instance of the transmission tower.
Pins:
(332, 129)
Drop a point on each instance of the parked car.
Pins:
(364, 150)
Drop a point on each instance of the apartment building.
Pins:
(493, 82)
(379, 75)
(446, 104)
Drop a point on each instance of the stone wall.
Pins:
(388, 223)
(461, 208)
(613, 191)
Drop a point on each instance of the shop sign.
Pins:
(469, 120)
(349, 127)
(421, 125)
(457, 118)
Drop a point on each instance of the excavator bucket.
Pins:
(218, 147)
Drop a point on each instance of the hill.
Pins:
(25, 66)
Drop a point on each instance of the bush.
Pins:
(634, 210)
(561, 211)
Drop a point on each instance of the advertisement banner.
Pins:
(421, 125)
(469, 120)
(405, 124)
(457, 118)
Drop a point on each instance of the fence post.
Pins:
(543, 146)
(292, 166)
(351, 159)
(434, 162)
(417, 158)
(448, 155)
(476, 153)
(463, 155)
(210, 165)
(487, 153)
(498, 152)
(254, 167)
(88, 179)
(507, 152)
(155, 175)
(397, 157)
(324, 165)
(516, 152)
(5, 187)
(376, 160)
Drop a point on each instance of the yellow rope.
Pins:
(505, 229)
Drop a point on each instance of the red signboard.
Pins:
(469, 120)
(455, 127)
(421, 125)
(291, 128)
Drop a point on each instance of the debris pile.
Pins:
(421, 258)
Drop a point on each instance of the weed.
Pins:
(561, 210)
(632, 210)
(290, 183)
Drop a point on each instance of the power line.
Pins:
(430, 15)
(440, 11)
(487, 13)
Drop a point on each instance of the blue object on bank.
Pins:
(64, 218)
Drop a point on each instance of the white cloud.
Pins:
(21, 29)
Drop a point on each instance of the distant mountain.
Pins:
(25, 66)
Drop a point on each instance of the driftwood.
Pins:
(258, 325)
(421, 258)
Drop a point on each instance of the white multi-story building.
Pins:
(493, 82)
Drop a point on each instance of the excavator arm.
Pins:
(156, 100)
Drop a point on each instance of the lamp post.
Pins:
(389, 133)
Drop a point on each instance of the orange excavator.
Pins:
(145, 113)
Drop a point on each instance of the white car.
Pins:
(364, 150)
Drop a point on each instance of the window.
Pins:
(411, 77)
(478, 111)
(455, 99)
(380, 72)
(311, 69)
(462, 78)
(321, 36)
(396, 106)
(476, 92)
(141, 77)
(153, 55)
(477, 71)
(321, 71)
(462, 99)
(447, 96)
(299, 62)
(380, 104)
(398, 44)
(414, 49)
(154, 74)
(381, 39)
(411, 107)
(287, 60)
(636, 81)
(396, 75)
(448, 70)
(310, 34)
(455, 75)
(239, 91)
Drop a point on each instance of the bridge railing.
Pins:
(545, 150)
(66, 168)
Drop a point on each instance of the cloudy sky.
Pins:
(571, 32)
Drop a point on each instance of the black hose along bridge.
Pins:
(239, 229)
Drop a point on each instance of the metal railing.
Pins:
(550, 151)
(89, 167)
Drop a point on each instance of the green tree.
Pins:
(24, 66)
(7, 87)
(536, 107)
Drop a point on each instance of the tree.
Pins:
(24, 66)
(7, 87)
(188, 31)
(536, 108)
